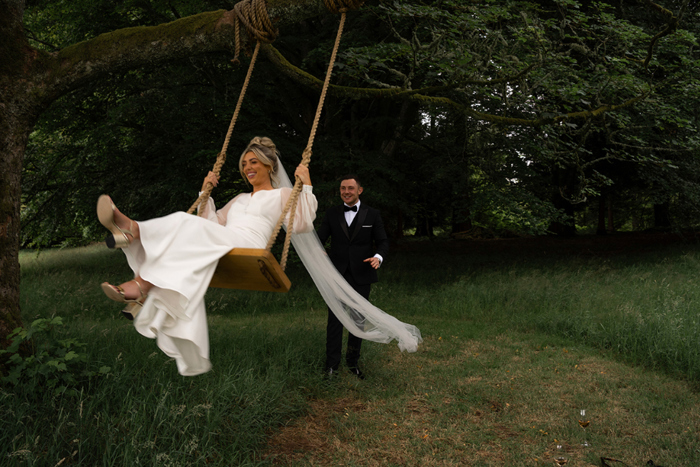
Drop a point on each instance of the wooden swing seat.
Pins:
(250, 269)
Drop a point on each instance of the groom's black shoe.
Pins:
(355, 370)
(330, 374)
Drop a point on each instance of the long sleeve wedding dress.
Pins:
(178, 254)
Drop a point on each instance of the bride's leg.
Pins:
(134, 290)
(126, 224)
(126, 290)
(123, 230)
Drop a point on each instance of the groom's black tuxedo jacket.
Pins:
(352, 244)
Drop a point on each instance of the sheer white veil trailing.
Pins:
(356, 313)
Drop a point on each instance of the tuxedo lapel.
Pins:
(359, 220)
(343, 222)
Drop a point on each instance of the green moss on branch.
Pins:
(418, 95)
(125, 41)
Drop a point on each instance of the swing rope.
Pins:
(253, 15)
(335, 6)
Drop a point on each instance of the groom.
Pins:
(358, 247)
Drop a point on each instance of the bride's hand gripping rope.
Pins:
(302, 173)
(210, 178)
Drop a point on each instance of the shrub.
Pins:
(55, 366)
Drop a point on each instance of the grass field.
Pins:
(519, 335)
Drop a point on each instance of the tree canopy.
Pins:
(515, 116)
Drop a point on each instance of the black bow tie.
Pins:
(348, 208)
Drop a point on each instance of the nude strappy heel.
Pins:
(105, 213)
(131, 310)
(116, 293)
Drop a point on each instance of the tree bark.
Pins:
(31, 79)
(662, 218)
(565, 180)
(14, 133)
(602, 205)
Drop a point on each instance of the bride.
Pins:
(174, 257)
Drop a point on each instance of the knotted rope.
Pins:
(342, 6)
(335, 6)
(253, 15)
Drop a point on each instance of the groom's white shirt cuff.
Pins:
(379, 257)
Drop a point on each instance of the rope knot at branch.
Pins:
(342, 6)
(254, 16)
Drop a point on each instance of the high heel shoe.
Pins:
(131, 310)
(116, 293)
(105, 213)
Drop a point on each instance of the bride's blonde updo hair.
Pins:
(267, 153)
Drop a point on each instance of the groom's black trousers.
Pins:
(334, 332)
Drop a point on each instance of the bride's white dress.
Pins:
(178, 254)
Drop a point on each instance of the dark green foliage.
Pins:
(56, 367)
(484, 141)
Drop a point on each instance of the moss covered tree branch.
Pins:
(669, 28)
(420, 95)
(128, 48)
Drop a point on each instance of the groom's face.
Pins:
(350, 191)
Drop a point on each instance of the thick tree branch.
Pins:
(418, 95)
(113, 52)
(123, 49)
(670, 28)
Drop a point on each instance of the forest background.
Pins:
(473, 118)
(519, 118)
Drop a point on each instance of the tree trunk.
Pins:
(398, 232)
(424, 228)
(30, 79)
(565, 179)
(15, 126)
(461, 226)
(601, 216)
(662, 218)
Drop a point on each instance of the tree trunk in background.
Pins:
(424, 228)
(602, 211)
(662, 219)
(464, 225)
(565, 180)
(461, 207)
(15, 125)
(398, 232)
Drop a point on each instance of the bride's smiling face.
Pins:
(257, 173)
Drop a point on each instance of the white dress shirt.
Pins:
(350, 215)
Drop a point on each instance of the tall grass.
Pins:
(642, 306)
(267, 349)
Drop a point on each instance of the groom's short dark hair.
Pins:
(352, 177)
